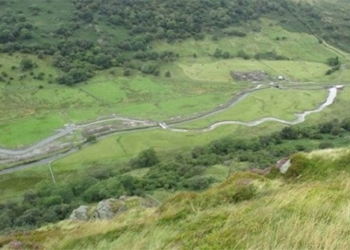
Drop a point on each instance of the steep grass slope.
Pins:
(307, 208)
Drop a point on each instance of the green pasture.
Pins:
(278, 103)
(301, 71)
(161, 97)
(27, 130)
(83, 115)
(17, 102)
(295, 46)
(158, 98)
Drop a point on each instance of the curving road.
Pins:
(68, 129)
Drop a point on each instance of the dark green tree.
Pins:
(27, 64)
(146, 158)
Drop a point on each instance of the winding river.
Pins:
(71, 127)
(300, 117)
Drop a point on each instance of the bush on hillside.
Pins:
(146, 158)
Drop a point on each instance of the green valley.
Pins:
(179, 103)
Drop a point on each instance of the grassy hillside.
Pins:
(71, 62)
(196, 84)
(124, 58)
(306, 208)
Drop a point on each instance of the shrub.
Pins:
(27, 64)
(91, 138)
(243, 193)
(146, 158)
(324, 145)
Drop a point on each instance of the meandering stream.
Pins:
(333, 91)
(300, 118)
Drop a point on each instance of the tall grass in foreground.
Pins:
(246, 211)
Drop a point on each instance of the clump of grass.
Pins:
(318, 165)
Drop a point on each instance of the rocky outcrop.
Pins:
(81, 213)
(107, 209)
(110, 208)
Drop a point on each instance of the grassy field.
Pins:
(301, 71)
(283, 104)
(158, 98)
(296, 46)
(24, 131)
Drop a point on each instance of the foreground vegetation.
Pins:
(305, 208)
